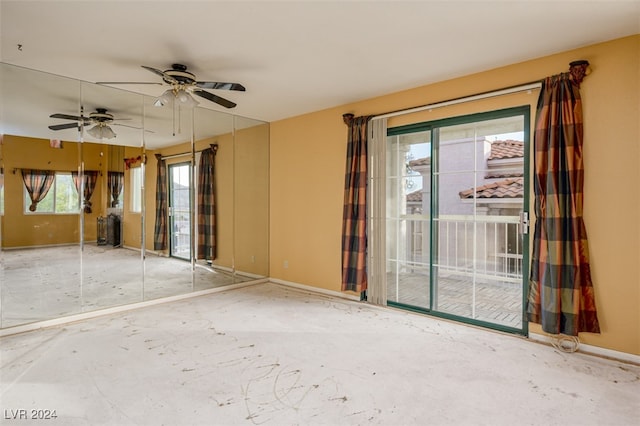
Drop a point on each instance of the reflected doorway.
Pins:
(180, 210)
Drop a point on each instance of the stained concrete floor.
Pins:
(268, 354)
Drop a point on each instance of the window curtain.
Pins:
(354, 218)
(38, 183)
(160, 230)
(115, 182)
(561, 296)
(90, 179)
(207, 205)
(376, 238)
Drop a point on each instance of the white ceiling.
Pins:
(296, 57)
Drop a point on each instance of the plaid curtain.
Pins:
(207, 205)
(90, 179)
(160, 231)
(354, 218)
(115, 182)
(38, 183)
(561, 296)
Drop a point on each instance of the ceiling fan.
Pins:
(184, 83)
(100, 118)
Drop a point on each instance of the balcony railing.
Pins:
(487, 247)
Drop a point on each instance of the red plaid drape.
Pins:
(561, 296)
(38, 183)
(89, 185)
(207, 205)
(354, 222)
(160, 231)
(115, 182)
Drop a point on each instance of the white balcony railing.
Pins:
(488, 247)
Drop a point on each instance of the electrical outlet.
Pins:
(253, 259)
(286, 264)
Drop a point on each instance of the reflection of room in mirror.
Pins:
(45, 283)
(85, 259)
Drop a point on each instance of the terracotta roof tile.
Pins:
(498, 174)
(508, 188)
(506, 149)
(415, 196)
(420, 162)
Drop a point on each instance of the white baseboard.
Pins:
(593, 350)
(315, 289)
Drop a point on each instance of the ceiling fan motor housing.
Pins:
(101, 116)
(179, 73)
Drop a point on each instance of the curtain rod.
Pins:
(484, 95)
(213, 146)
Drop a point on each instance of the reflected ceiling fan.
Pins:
(184, 83)
(100, 118)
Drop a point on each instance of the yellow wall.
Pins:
(252, 198)
(23, 230)
(308, 165)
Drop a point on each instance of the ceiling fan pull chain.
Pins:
(174, 117)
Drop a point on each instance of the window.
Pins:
(62, 197)
(136, 189)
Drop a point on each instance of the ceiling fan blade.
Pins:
(131, 127)
(213, 98)
(64, 126)
(220, 86)
(162, 74)
(127, 82)
(69, 117)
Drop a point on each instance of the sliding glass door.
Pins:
(180, 210)
(456, 203)
(408, 229)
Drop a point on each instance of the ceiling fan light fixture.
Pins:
(101, 132)
(164, 99)
(186, 99)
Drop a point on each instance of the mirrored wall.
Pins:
(107, 199)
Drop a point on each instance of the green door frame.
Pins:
(433, 127)
(171, 209)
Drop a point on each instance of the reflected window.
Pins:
(136, 189)
(62, 197)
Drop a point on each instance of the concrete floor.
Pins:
(268, 354)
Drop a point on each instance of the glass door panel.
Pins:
(477, 268)
(408, 228)
(180, 210)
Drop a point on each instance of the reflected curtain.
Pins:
(90, 179)
(561, 296)
(207, 205)
(354, 218)
(115, 182)
(38, 183)
(160, 230)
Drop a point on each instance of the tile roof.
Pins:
(415, 196)
(508, 188)
(503, 174)
(506, 149)
(420, 162)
